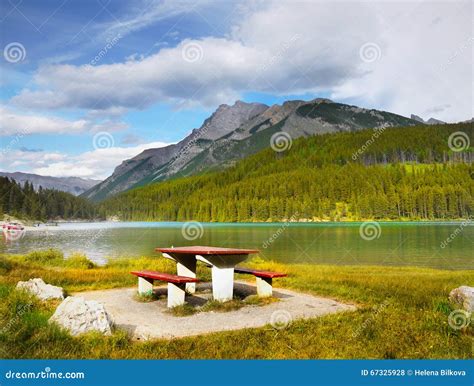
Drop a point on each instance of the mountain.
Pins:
(404, 173)
(73, 185)
(434, 121)
(234, 132)
(431, 121)
(417, 118)
(297, 119)
(223, 121)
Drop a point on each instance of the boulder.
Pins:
(463, 297)
(40, 289)
(79, 316)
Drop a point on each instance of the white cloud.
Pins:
(13, 122)
(148, 13)
(290, 48)
(425, 67)
(275, 50)
(165, 76)
(98, 163)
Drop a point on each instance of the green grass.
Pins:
(402, 313)
(215, 306)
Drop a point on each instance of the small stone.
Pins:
(40, 289)
(80, 316)
(463, 297)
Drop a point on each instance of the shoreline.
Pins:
(149, 224)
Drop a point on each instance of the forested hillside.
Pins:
(409, 173)
(26, 203)
(235, 132)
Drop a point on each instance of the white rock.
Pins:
(40, 289)
(79, 316)
(464, 297)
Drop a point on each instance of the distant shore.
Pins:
(97, 224)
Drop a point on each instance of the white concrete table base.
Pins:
(222, 274)
(145, 286)
(222, 283)
(176, 294)
(264, 287)
(187, 268)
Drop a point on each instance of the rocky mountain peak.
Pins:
(228, 118)
(417, 118)
(434, 121)
(431, 121)
(321, 100)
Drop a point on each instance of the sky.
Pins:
(87, 84)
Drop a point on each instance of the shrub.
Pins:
(5, 265)
(79, 260)
(48, 256)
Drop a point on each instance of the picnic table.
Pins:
(221, 260)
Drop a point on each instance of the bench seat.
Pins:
(259, 273)
(164, 277)
(264, 279)
(176, 285)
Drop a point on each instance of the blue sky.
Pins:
(87, 84)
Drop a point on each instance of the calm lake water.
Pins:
(440, 245)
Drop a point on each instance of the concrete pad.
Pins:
(153, 320)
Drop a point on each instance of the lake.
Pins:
(438, 245)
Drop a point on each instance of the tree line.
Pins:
(405, 173)
(22, 201)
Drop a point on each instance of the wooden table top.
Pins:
(203, 250)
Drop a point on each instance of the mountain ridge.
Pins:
(73, 185)
(236, 131)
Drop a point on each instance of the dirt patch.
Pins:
(152, 319)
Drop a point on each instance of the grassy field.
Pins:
(403, 313)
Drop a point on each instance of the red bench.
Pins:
(176, 285)
(264, 279)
